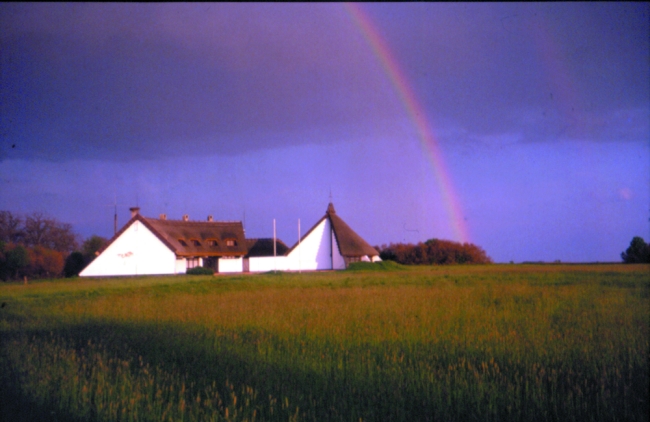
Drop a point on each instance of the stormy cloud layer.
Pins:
(128, 81)
(541, 113)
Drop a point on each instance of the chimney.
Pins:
(186, 217)
(134, 211)
(163, 216)
(210, 218)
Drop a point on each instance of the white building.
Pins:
(329, 245)
(161, 246)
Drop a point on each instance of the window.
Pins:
(182, 242)
(193, 262)
(212, 242)
(231, 242)
(195, 242)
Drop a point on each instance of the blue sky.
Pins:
(258, 111)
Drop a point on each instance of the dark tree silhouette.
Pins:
(14, 261)
(637, 253)
(11, 227)
(74, 263)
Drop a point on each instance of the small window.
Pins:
(196, 242)
(193, 262)
(212, 242)
(182, 242)
(231, 242)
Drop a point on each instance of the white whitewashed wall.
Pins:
(136, 252)
(313, 253)
(268, 263)
(231, 265)
(181, 265)
(339, 262)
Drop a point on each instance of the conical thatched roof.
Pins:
(349, 242)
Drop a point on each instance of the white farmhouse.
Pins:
(161, 246)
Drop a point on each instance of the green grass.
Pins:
(377, 266)
(495, 343)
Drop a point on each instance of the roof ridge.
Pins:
(194, 221)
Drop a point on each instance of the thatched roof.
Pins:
(194, 238)
(201, 238)
(264, 247)
(349, 242)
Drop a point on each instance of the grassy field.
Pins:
(489, 343)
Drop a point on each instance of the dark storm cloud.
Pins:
(129, 81)
(549, 71)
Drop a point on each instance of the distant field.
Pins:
(490, 343)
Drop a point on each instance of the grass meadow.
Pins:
(458, 343)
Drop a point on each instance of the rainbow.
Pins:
(416, 113)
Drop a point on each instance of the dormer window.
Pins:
(182, 242)
(195, 242)
(212, 242)
(231, 242)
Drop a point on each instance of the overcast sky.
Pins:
(522, 128)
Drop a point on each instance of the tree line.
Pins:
(434, 252)
(37, 246)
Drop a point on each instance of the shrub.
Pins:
(200, 271)
(74, 263)
(434, 252)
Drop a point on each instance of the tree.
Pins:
(44, 262)
(49, 233)
(91, 246)
(11, 230)
(434, 252)
(14, 261)
(33, 245)
(74, 263)
(37, 230)
(78, 260)
(637, 253)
